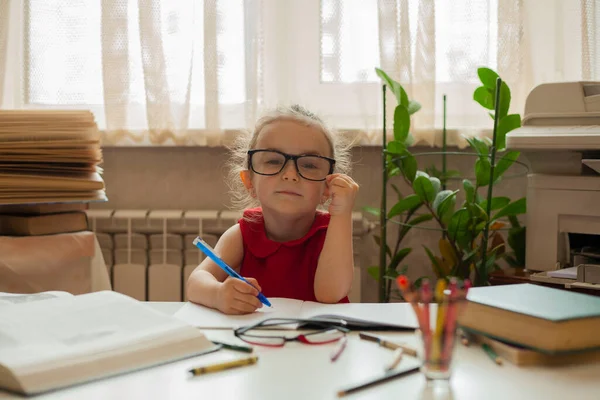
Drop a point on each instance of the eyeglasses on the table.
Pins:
(262, 333)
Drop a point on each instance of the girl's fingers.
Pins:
(246, 302)
(254, 283)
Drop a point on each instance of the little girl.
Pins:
(289, 166)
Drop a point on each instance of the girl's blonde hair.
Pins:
(246, 140)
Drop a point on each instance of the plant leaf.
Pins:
(373, 272)
(504, 101)
(437, 269)
(480, 147)
(413, 107)
(409, 166)
(446, 208)
(448, 252)
(487, 77)
(497, 245)
(398, 257)
(405, 204)
(396, 87)
(515, 208)
(482, 171)
(420, 219)
(469, 190)
(395, 171)
(516, 241)
(444, 204)
(497, 203)
(424, 188)
(435, 182)
(504, 163)
(468, 256)
(419, 281)
(401, 123)
(387, 248)
(496, 226)
(506, 124)
(481, 212)
(485, 97)
(512, 262)
(395, 147)
(514, 221)
(372, 210)
(458, 224)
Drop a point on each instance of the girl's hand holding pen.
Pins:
(238, 297)
(342, 190)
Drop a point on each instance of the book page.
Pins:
(393, 314)
(7, 299)
(34, 333)
(204, 317)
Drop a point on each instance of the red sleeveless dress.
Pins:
(282, 269)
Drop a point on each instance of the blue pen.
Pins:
(206, 249)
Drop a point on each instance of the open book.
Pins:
(364, 316)
(53, 339)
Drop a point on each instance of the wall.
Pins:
(193, 178)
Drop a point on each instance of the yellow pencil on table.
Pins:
(436, 345)
(398, 353)
(223, 366)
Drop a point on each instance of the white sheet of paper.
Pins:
(388, 313)
(7, 299)
(86, 324)
(566, 273)
(204, 317)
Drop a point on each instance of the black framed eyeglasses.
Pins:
(261, 334)
(272, 162)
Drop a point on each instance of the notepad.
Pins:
(384, 316)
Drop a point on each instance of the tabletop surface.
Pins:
(300, 371)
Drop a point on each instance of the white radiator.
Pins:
(149, 253)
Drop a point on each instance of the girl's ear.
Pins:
(247, 181)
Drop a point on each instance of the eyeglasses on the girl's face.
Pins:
(272, 162)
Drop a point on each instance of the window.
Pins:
(65, 68)
(216, 64)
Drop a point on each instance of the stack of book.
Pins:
(534, 325)
(49, 167)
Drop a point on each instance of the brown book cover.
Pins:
(537, 317)
(49, 224)
(523, 357)
(42, 208)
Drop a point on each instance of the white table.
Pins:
(300, 371)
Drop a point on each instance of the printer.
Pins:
(560, 137)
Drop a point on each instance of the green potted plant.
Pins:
(471, 242)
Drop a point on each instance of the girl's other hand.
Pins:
(342, 190)
(236, 297)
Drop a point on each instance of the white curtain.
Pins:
(433, 48)
(4, 20)
(181, 47)
(194, 72)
